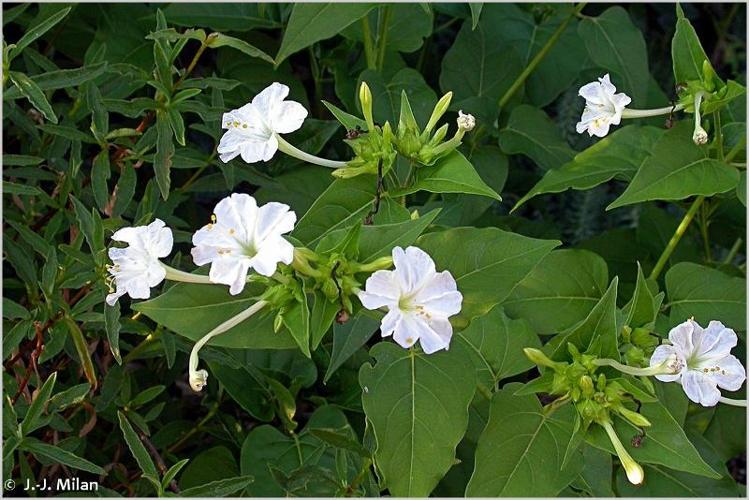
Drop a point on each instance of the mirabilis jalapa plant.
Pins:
(419, 304)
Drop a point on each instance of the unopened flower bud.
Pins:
(277, 322)
(198, 380)
(538, 357)
(699, 136)
(586, 386)
(439, 109)
(365, 98)
(466, 121)
(634, 417)
(635, 474)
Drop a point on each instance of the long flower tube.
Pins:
(297, 153)
(634, 471)
(199, 378)
(699, 136)
(733, 402)
(645, 113)
(668, 366)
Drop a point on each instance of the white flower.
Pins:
(603, 107)
(252, 128)
(466, 121)
(418, 298)
(703, 361)
(136, 268)
(244, 236)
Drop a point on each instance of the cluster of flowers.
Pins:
(244, 238)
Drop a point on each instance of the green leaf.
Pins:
(321, 317)
(595, 478)
(496, 344)
(707, 294)
(138, 450)
(617, 46)
(618, 155)
(36, 31)
(21, 160)
(344, 202)
(475, 13)
(31, 420)
(520, 451)
(13, 188)
(644, 306)
(216, 40)
(478, 68)
(125, 189)
(417, 405)
(349, 337)
(219, 16)
(687, 53)
(59, 455)
(560, 291)
(310, 23)
(193, 310)
(63, 78)
(531, 133)
(490, 264)
(100, 174)
(665, 442)
(678, 169)
(248, 387)
(296, 321)
(451, 174)
(220, 488)
(208, 466)
(162, 160)
(69, 397)
(598, 325)
(347, 120)
(34, 94)
(407, 27)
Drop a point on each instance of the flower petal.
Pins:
(381, 289)
(681, 337)
(663, 352)
(269, 97)
(390, 322)
(591, 92)
(409, 330)
(730, 375)
(273, 219)
(287, 117)
(229, 271)
(413, 267)
(161, 237)
(716, 341)
(700, 388)
(443, 332)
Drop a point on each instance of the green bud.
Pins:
(626, 331)
(329, 289)
(365, 99)
(708, 75)
(634, 417)
(586, 385)
(407, 121)
(439, 135)
(601, 382)
(641, 337)
(439, 109)
(278, 322)
(634, 356)
(573, 350)
(538, 357)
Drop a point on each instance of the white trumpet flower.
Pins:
(418, 298)
(603, 107)
(244, 236)
(136, 268)
(704, 361)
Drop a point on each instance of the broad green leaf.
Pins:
(496, 343)
(207, 466)
(617, 46)
(617, 156)
(479, 67)
(407, 26)
(321, 317)
(266, 447)
(193, 310)
(59, 455)
(531, 133)
(20, 160)
(489, 265)
(527, 34)
(219, 16)
(379, 240)
(138, 450)
(598, 325)
(100, 174)
(678, 169)
(162, 160)
(475, 13)
(220, 488)
(68, 397)
(520, 451)
(113, 326)
(312, 22)
(36, 31)
(61, 79)
(220, 40)
(417, 405)
(687, 53)
(386, 95)
(34, 94)
(125, 189)
(665, 442)
(707, 294)
(13, 188)
(560, 291)
(595, 478)
(344, 203)
(450, 174)
(349, 337)
(347, 120)
(247, 386)
(296, 321)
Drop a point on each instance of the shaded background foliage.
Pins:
(64, 194)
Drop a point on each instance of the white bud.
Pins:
(699, 136)
(466, 121)
(198, 380)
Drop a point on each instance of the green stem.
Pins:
(734, 250)
(719, 136)
(197, 172)
(191, 66)
(138, 349)
(382, 36)
(735, 150)
(680, 230)
(369, 54)
(704, 232)
(733, 402)
(539, 57)
(194, 430)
